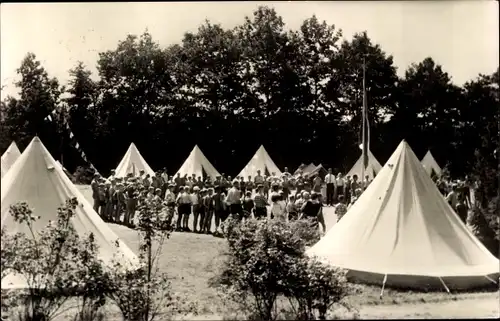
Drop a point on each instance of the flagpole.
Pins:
(363, 155)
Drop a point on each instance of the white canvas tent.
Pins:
(430, 164)
(371, 170)
(132, 162)
(260, 161)
(306, 169)
(37, 179)
(197, 164)
(9, 157)
(402, 232)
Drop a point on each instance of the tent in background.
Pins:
(260, 161)
(371, 170)
(305, 169)
(37, 179)
(402, 232)
(9, 157)
(430, 164)
(318, 170)
(132, 162)
(198, 164)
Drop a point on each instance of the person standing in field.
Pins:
(340, 186)
(170, 201)
(219, 208)
(183, 209)
(209, 208)
(233, 200)
(340, 208)
(196, 206)
(330, 187)
(94, 185)
(260, 202)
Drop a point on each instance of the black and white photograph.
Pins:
(250, 160)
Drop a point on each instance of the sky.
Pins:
(461, 36)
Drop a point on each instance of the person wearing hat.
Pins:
(233, 200)
(260, 203)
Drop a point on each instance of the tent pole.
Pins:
(383, 286)
(490, 279)
(442, 282)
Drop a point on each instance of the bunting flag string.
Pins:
(72, 139)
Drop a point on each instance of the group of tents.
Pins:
(400, 232)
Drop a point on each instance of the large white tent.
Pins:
(197, 164)
(9, 157)
(132, 162)
(430, 164)
(402, 232)
(262, 162)
(371, 170)
(37, 179)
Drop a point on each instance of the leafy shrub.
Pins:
(83, 175)
(266, 263)
(144, 293)
(56, 263)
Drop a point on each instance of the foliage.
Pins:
(55, 263)
(83, 175)
(302, 86)
(266, 262)
(142, 293)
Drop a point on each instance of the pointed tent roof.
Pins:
(37, 179)
(401, 227)
(430, 164)
(319, 170)
(305, 168)
(373, 167)
(9, 157)
(132, 162)
(260, 161)
(197, 163)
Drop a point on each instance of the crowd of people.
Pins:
(285, 197)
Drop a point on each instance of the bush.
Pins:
(83, 175)
(56, 263)
(144, 293)
(267, 262)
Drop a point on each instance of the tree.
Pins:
(345, 89)
(427, 111)
(83, 114)
(479, 128)
(134, 80)
(39, 96)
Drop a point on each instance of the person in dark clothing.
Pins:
(313, 211)
(260, 203)
(248, 205)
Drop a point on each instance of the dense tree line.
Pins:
(297, 92)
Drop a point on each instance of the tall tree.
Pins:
(83, 112)
(132, 85)
(427, 111)
(38, 97)
(345, 88)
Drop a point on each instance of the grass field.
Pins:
(193, 259)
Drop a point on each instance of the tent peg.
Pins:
(383, 286)
(442, 282)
